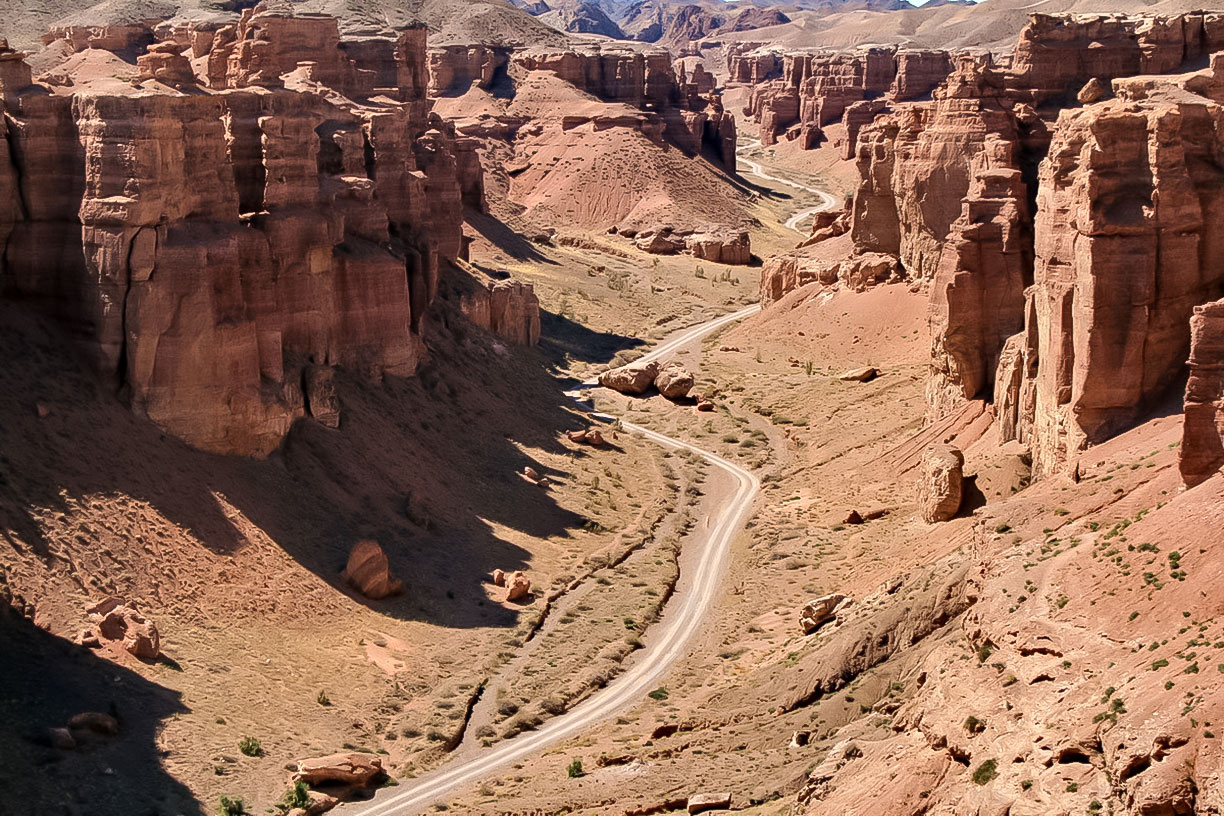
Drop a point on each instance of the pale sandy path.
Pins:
(827, 200)
(663, 644)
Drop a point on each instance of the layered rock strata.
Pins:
(1202, 450)
(210, 249)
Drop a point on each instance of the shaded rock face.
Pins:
(940, 488)
(1202, 450)
(456, 69)
(207, 248)
(1128, 221)
(684, 109)
(508, 309)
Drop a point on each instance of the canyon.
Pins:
(609, 408)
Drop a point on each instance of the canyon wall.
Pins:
(1202, 449)
(1064, 236)
(211, 251)
(681, 106)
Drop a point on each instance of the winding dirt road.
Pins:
(827, 200)
(663, 644)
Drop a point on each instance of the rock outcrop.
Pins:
(340, 769)
(684, 109)
(118, 622)
(207, 248)
(369, 572)
(819, 611)
(941, 483)
(1127, 221)
(507, 308)
(456, 69)
(1202, 449)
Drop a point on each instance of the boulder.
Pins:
(94, 721)
(1093, 91)
(594, 437)
(634, 378)
(866, 374)
(369, 572)
(701, 802)
(499, 577)
(725, 248)
(660, 243)
(531, 473)
(61, 739)
(818, 611)
(940, 488)
(674, 381)
(518, 586)
(577, 436)
(340, 769)
(705, 405)
(120, 622)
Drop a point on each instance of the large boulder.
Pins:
(340, 769)
(701, 802)
(369, 573)
(120, 622)
(725, 248)
(940, 488)
(518, 586)
(818, 611)
(674, 381)
(634, 378)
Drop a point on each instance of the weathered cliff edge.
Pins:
(1065, 237)
(233, 224)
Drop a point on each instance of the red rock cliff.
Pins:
(209, 249)
(1202, 448)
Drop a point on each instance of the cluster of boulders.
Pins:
(671, 379)
(591, 436)
(114, 620)
(369, 572)
(517, 584)
(714, 245)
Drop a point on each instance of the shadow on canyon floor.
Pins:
(497, 233)
(564, 339)
(44, 681)
(427, 466)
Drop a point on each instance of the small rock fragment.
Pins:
(859, 374)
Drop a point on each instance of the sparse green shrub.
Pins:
(322, 699)
(298, 796)
(231, 806)
(659, 694)
(575, 769)
(250, 747)
(985, 772)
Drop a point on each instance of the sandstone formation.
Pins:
(674, 381)
(207, 248)
(702, 802)
(369, 572)
(733, 248)
(941, 483)
(818, 611)
(507, 308)
(456, 69)
(340, 769)
(684, 109)
(1202, 449)
(1059, 232)
(634, 379)
(1126, 221)
(118, 622)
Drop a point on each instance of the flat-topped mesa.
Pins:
(686, 110)
(1201, 455)
(209, 249)
(1126, 232)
